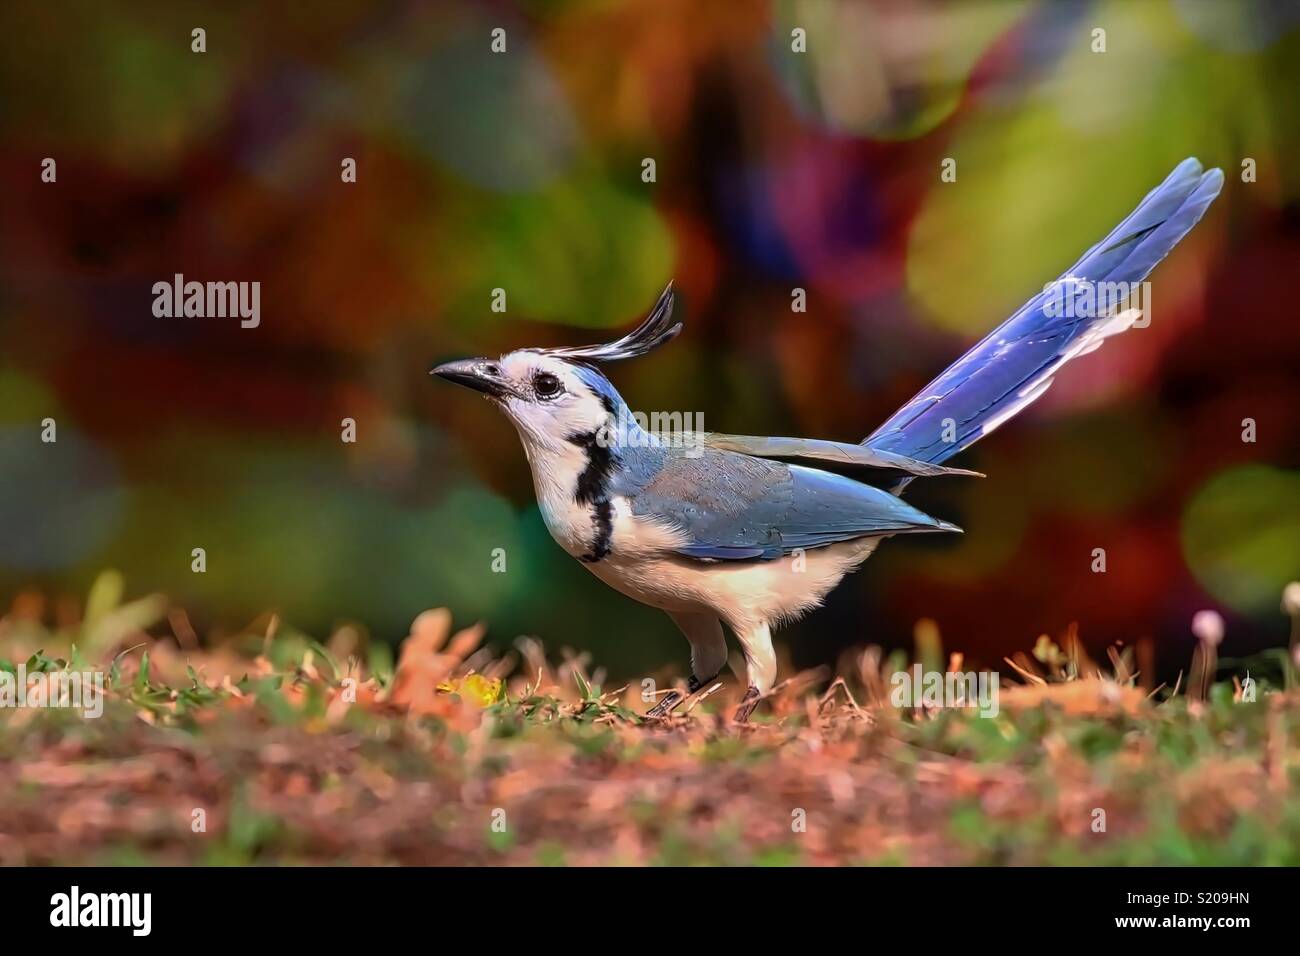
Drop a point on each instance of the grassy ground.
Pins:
(271, 748)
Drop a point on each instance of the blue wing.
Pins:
(1014, 364)
(737, 507)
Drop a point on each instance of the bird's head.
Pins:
(554, 395)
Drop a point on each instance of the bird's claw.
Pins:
(665, 706)
(673, 699)
(747, 705)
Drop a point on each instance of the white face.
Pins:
(547, 399)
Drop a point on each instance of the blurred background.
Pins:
(774, 169)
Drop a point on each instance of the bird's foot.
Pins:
(747, 705)
(665, 706)
(672, 700)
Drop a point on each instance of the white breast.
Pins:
(555, 476)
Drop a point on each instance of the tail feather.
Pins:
(1012, 366)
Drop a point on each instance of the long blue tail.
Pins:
(1015, 363)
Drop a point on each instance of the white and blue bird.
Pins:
(752, 532)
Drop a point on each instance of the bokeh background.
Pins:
(522, 170)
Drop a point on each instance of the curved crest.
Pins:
(657, 329)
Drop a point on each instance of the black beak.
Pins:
(479, 374)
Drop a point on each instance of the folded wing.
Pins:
(737, 507)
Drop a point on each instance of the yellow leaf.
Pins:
(484, 691)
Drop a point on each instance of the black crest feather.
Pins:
(657, 329)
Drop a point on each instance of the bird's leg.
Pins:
(708, 655)
(760, 665)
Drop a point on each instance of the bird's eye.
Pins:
(546, 385)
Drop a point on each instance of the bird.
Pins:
(752, 532)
